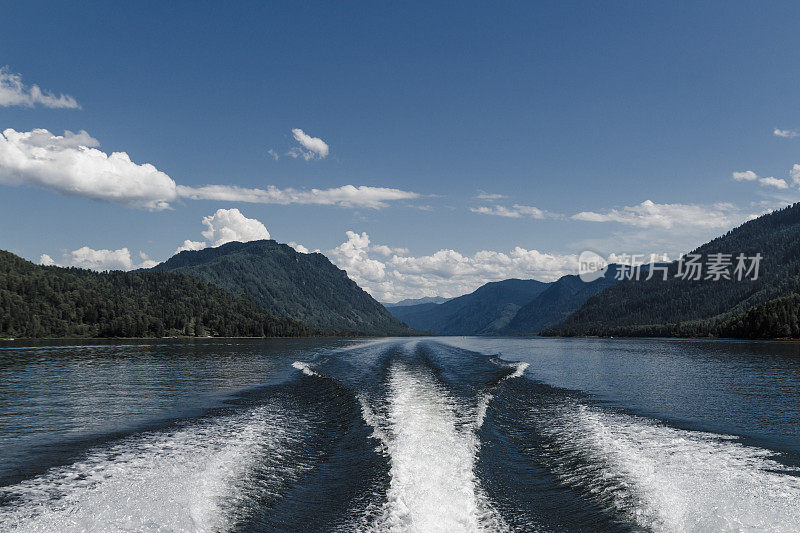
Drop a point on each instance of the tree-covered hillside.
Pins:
(306, 287)
(694, 307)
(37, 301)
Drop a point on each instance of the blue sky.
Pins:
(576, 113)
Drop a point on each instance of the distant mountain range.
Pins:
(561, 298)
(486, 311)
(284, 282)
(764, 307)
(263, 288)
(510, 307)
(417, 301)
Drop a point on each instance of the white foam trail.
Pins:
(483, 404)
(193, 479)
(519, 370)
(433, 485)
(667, 479)
(304, 367)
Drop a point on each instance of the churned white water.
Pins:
(305, 368)
(433, 486)
(667, 479)
(191, 479)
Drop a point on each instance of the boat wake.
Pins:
(410, 436)
(196, 478)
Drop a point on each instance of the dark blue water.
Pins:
(445, 434)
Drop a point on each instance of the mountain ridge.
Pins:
(678, 307)
(57, 302)
(304, 287)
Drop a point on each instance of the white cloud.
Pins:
(71, 164)
(353, 256)
(68, 164)
(770, 181)
(444, 273)
(228, 225)
(795, 174)
(15, 93)
(344, 196)
(86, 257)
(273, 154)
(312, 147)
(774, 182)
(747, 175)
(191, 246)
(649, 214)
(515, 211)
(298, 247)
(386, 251)
(483, 195)
(101, 260)
(146, 261)
(786, 134)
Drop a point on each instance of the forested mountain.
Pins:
(682, 307)
(559, 300)
(485, 311)
(306, 287)
(417, 301)
(37, 301)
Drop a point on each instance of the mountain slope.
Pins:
(305, 287)
(562, 298)
(417, 301)
(37, 301)
(679, 307)
(485, 311)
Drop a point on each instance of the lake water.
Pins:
(430, 434)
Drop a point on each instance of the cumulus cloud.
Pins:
(444, 273)
(344, 196)
(387, 251)
(69, 164)
(353, 256)
(649, 214)
(273, 154)
(795, 174)
(227, 225)
(515, 211)
(310, 147)
(786, 134)
(101, 260)
(86, 257)
(146, 261)
(15, 93)
(298, 247)
(746, 175)
(191, 246)
(774, 182)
